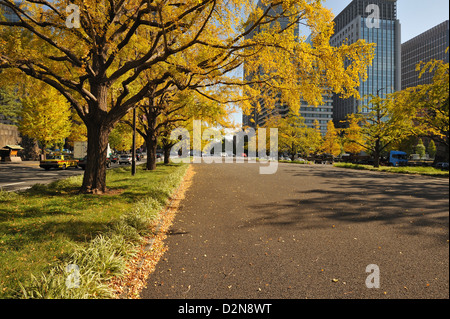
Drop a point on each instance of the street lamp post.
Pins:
(378, 140)
(133, 152)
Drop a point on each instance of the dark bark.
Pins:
(151, 139)
(151, 153)
(98, 129)
(94, 180)
(377, 154)
(167, 149)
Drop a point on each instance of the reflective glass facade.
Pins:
(8, 14)
(384, 76)
(259, 118)
(382, 73)
(429, 45)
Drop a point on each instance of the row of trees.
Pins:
(147, 54)
(407, 115)
(42, 114)
(393, 122)
(296, 138)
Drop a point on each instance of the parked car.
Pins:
(58, 162)
(114, 158)
(82, 162)
(442, 165)
(125, 159)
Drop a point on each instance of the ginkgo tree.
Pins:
(291, 69)
(428, 105)
(96, 63)
(45, 116)
(353, 141)
(331, 143)
(294, 137)
(385, 123)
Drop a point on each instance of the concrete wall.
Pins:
(9, 135)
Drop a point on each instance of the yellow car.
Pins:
(58, 162)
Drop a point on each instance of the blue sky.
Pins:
(416, 17)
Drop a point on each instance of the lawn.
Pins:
(430, 171)
(49, 226)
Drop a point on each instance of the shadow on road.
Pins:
(355, 197)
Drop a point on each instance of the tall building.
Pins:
(8, 14)
(376, 22)
(259, 118)
(322, 113)
(427, 46)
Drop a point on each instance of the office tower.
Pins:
(322, 113)
(376, 22)
(259, 118)
(429, 45)
(8, 14)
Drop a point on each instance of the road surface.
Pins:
(308, 231)
(23, 175)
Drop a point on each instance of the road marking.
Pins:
(12, 184)
(23, 188)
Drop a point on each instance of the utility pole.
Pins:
(133, 152)
(378, 140)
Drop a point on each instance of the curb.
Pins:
(157, 232)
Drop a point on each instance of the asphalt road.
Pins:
(305, 232)
(21, 176)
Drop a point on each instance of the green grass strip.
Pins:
(48, 227)
(428, 171)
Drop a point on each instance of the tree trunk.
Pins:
(376, 154)
(94, 180)
(152, 135)
(151, 152)
(167, 149)
(44, 155)
(98, 130)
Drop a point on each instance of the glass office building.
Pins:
(322, 113)
(8, 13)
(427, 46)
(259, 118)
(357, 22)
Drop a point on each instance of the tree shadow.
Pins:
(354, 198)
(75, 231)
